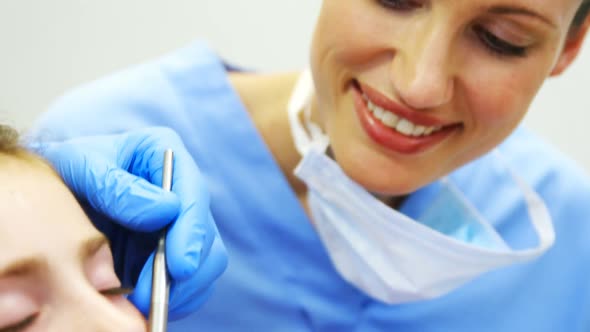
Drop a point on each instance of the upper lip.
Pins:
(387, 104)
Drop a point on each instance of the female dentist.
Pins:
(388, 188)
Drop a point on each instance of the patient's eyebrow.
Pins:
(24, 266)
(38, 264)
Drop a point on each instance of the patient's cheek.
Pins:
(126, 306)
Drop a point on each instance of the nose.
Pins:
(422, 71)
(93, 312)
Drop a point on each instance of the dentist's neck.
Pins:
(266, 97)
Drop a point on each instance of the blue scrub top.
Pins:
(280, 277)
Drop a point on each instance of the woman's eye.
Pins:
(401, 4)
(497, 45)
(117, 291)
(20, 326)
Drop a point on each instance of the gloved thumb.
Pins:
(132, 201)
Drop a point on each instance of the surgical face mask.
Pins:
(383, 252)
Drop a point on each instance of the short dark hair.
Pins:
(581, 14)
(12, 147)
(8, 140)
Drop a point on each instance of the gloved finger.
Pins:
(142, 292)
(141, 296)
(193, 232)
(130, 200)
(70, 161)
(187, 296)
(145, 155)
(191, 235)
(189, 241)
(123, 197)
(191, 306)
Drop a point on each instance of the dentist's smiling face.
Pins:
(409, 90)
(56, 269)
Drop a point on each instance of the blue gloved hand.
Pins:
(118, 179)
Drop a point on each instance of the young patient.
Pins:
(56, 269)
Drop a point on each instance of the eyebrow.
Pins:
(38, 264)
(502, 10)
(25, 266)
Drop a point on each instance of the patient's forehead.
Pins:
(37, 211)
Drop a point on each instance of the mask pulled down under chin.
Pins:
(394, 258)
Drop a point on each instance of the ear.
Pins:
(571, 48)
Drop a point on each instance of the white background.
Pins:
(47, 47)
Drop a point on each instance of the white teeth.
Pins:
(418, 130)
(379, 112)
(398, 123)
(405, 127)
(390, 119)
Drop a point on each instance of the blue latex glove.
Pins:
(118, 179)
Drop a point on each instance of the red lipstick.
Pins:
(389, 105)
(388, 137)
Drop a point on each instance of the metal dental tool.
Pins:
(158, 318)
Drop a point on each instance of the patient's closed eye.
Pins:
(117, 291)
(20, 326)
(18, 308)
(401, 4)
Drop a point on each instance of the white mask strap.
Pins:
(538, 213)
(300, 101)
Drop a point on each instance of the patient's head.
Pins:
(56, 269)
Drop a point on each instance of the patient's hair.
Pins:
(581, 14)
(8, 140)
(11, 147)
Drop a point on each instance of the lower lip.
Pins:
(390, 138)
